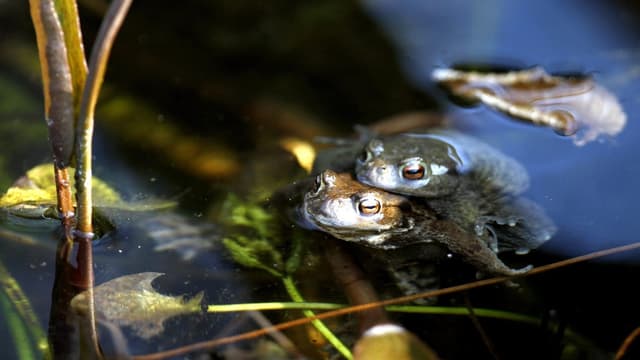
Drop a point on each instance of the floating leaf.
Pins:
(572, 105)
(16, 196)
(35, 193)
(132, 301)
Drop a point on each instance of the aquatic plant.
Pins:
(258, 248)
(71, 92)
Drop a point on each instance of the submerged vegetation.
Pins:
(221, 231)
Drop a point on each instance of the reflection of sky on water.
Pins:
(591, 191)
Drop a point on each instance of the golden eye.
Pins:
(413, 171)
(369, 206)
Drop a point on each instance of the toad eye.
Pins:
(369, 206)
(317, 184)
(364, 156)
(413, 171)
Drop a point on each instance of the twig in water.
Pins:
(329, 314)
(476, 323)
(627, 343)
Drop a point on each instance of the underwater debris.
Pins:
(573, 106)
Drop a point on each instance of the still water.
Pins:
(588, 190)
(312, 59)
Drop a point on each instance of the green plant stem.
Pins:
(17, 329)
(210, 344)
(84, 139)
(12, 291)
(318, 324)
(273, 306)
(84, 128)
(415, 309)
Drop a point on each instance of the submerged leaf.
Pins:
(572, 105)
(174, 232)
(132, 301)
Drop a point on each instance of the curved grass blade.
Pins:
(317, 323)
(84, 128)
(68, 13)
(17, 330)
(56, 79)
(25, 318)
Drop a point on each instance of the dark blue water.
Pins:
(591, 191)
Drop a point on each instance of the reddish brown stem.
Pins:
(210, 344)
(355, 284)
(83, 275)
(627, 343)
(65, 202)
(476, 323)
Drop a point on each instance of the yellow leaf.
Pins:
(38, 190)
